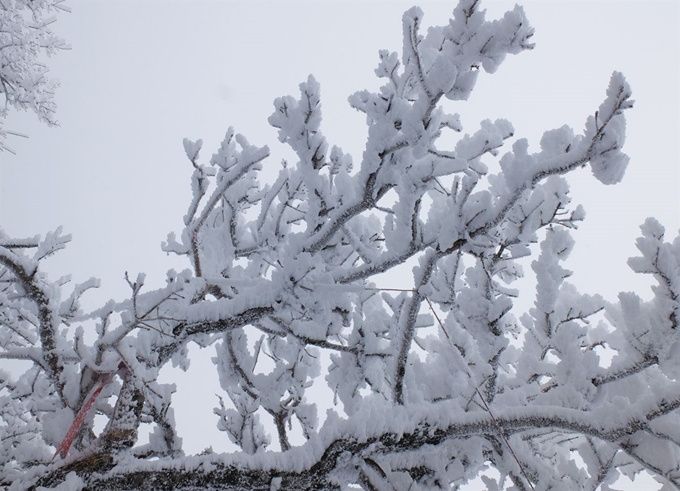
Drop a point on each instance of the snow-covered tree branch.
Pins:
(25, 36)
(435, 379)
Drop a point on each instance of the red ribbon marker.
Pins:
(66, 443)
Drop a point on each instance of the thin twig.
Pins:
(485, 405)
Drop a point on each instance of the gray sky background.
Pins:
(143, 75)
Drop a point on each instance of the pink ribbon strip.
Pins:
(65, 445)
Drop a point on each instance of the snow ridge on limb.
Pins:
(346, 447)
(282, 282)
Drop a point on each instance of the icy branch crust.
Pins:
(283, 283)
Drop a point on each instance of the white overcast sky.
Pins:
(142, 75)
